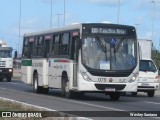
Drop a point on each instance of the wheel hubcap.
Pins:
(35, 84)
(67, 87)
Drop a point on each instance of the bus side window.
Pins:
(52, 49)
(47, 41)
(65, 44)
(40, 48)
(25, 49)
(55, 47)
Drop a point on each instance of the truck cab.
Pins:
(148, 72)
(6, 62)
(148, 77)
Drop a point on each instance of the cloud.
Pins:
(107, 22)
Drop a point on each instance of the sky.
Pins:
(36, 15)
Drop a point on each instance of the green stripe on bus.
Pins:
(26, 62)
(61, 60)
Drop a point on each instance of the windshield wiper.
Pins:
(103, 48)
(118, 45)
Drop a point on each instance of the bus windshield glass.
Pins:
(5, 54)
(109, 53)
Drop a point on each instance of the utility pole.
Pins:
(64, 12)
(137, 27)
(118, 12)
(19, 43)
(153, 18)
(58, 17)
(51, 16)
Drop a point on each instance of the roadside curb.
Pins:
(39, 108)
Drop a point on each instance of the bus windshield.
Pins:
(5, 54)
(109, 53)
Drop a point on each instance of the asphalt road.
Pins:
(19, 91)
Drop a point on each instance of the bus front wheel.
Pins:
(65, 88)
(115, 96)
(1, 79)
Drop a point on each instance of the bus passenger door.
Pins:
(46, 61)
(47, 47)
(31, 43)
(74, 57)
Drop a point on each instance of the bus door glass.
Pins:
(31, 46)
(74, 56)
(47, 45)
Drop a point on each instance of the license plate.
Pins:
(110, 89)
(145, 84)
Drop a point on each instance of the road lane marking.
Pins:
(98, 106)
(14, 83)
(152, 102)
(78, 102)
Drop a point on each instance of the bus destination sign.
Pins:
(109, 31)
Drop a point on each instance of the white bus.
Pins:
(82, 58)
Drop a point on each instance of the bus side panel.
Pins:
(70, 76)
(26, 74)
(52, 81)
(56, 68)
(45, 73)
(41, 66)
(56, 74)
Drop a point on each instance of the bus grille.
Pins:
(116, 86)
(145, 87)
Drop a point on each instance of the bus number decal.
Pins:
(37, 64)
(60, 66)
(102, 80)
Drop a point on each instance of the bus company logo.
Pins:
(110, 80)
(6, 114)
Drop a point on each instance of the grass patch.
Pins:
(10, 106)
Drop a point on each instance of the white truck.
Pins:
(148, 73)
(6, 61)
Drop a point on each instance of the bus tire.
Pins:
(8, 78)
(36, 88)
(45, 90)
(65, 88)
(151, 93)
(1, 79)
(115, 96)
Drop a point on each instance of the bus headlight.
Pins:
(85, 76)
(133, 79)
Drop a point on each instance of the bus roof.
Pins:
(52, 30)
(71, 27)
